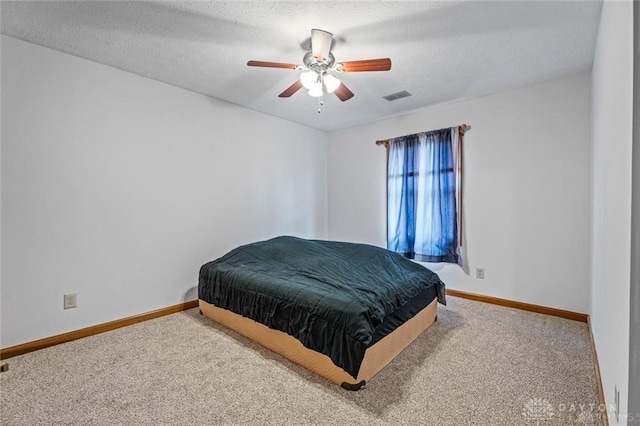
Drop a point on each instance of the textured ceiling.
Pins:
(441, 51)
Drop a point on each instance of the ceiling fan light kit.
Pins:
(308, 79)
(317, 66)
(330, 82)
(316, 90)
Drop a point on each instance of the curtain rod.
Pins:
(462, 128)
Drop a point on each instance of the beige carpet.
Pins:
(479, 364)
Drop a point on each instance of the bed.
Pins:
(342, 310)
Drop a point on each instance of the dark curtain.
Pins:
(421, 197)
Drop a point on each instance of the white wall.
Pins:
(612, 88)
(526, 190)
(119, 188)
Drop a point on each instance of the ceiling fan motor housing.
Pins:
(313, 64)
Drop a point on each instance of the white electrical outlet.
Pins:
(480, 273)
(70, 300)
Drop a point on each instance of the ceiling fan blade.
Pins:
(271, 65)
(383, 64)
(321, 44)
(343, 92)
(291, 89)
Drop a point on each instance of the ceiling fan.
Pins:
(319, 64)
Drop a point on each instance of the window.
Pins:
(423, 191)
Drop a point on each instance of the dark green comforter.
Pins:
(329, 295)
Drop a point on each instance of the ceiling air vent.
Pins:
(398, 95)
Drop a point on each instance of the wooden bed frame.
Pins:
(375, 359)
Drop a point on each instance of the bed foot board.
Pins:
(353, 386)
(376, 357)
